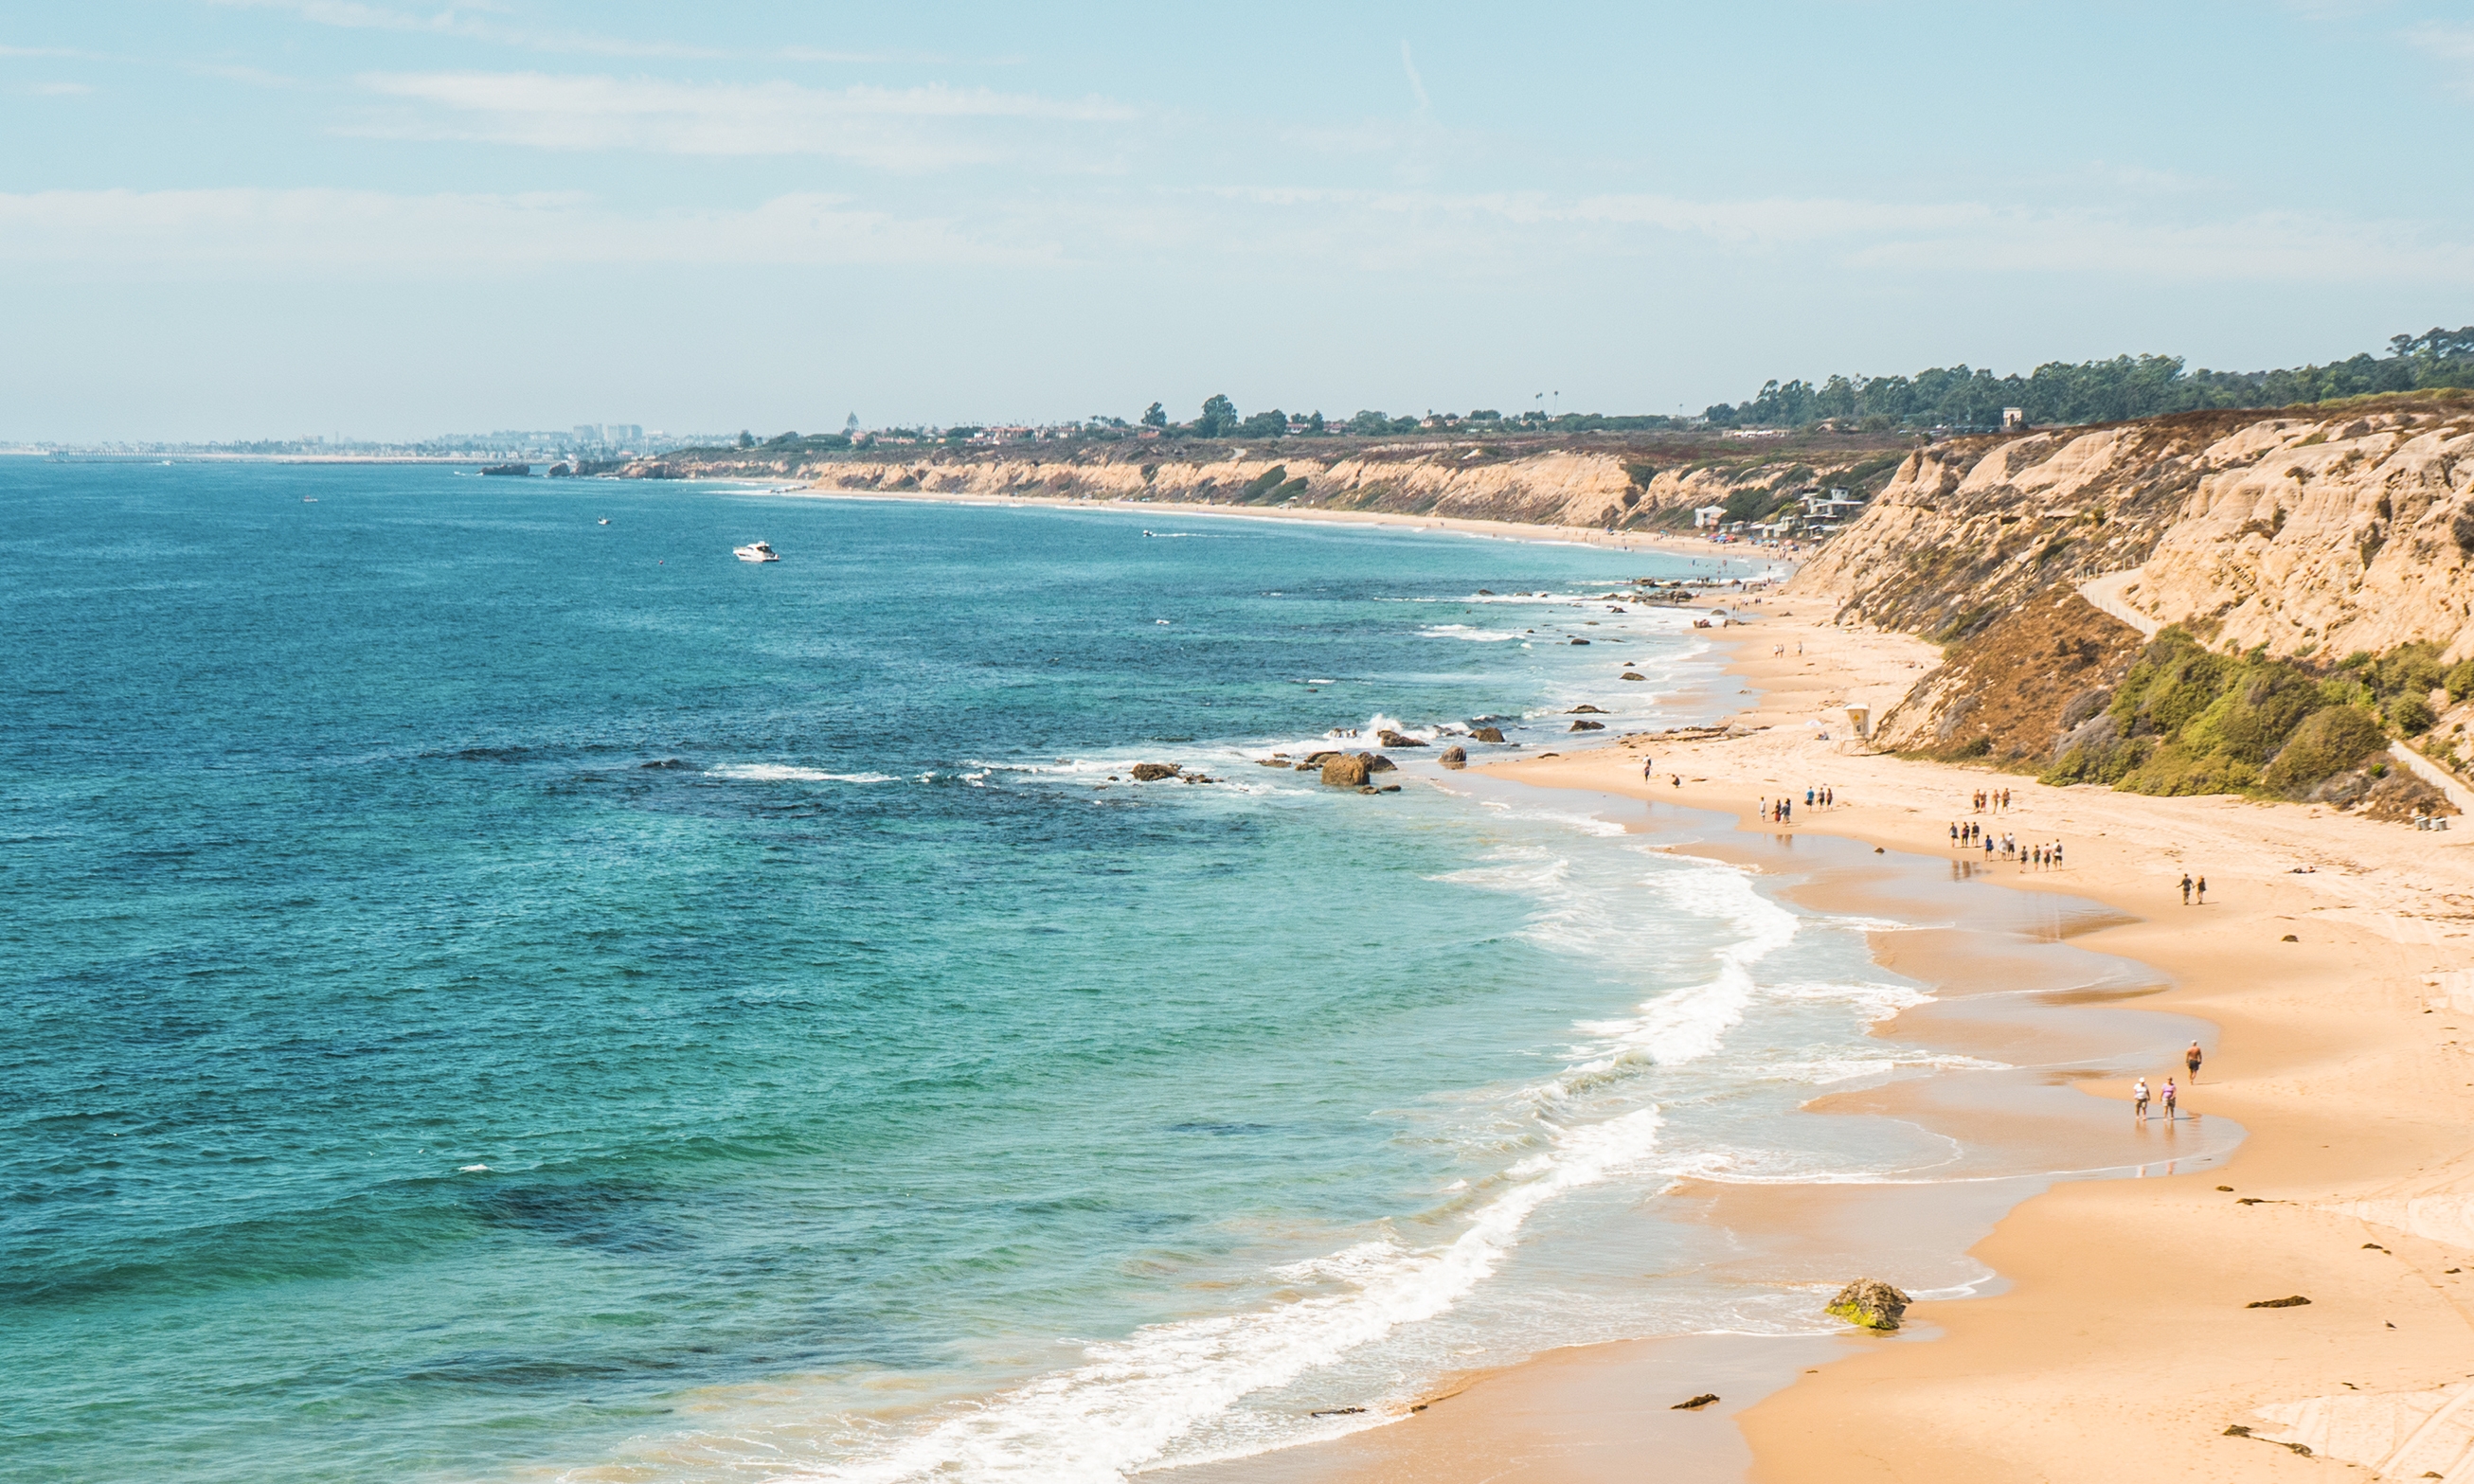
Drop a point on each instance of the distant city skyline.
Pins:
(228, 219)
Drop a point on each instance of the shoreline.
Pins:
(2121, 1330)
(1505, 530)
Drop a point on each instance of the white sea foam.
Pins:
(1133, 1399)
(782, 772)
(1135, 1396)
(1471, 632)
(1873, 1001)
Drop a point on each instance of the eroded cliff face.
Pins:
(1470, 482)
(2312, 536)
(2327, 539)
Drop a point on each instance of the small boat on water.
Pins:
(756, 552)
(604, 520)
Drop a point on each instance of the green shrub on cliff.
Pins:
(2186, 721)
(2326, 743)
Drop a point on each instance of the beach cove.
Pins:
(2330, 959)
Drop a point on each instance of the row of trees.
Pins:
(1220, 419)
(2109, 391)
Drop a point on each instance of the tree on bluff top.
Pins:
(1154, 417)
(1218, 418)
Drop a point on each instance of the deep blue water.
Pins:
(490, 994)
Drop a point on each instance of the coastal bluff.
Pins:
(1642, 485)
(2311, 546)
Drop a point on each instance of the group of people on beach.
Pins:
(1781, 810)
(2188, 885)
(1968, 835)
(1989, 799)
(2170, 1096)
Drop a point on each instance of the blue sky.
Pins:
(274, 218)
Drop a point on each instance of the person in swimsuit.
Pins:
(2139, 1099)
(2170, 1115)
(2191, 1059)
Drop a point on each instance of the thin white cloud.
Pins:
(2450, 44)
(58, 90)
(462, 21)
(1511, 231)
(1417, 84)
(1497, 237)
(242, 232)
(901, 128)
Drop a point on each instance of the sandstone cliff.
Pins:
(2310, 537)
(1648, 485)
(2309, 534)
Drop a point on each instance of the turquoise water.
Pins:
(492, 995)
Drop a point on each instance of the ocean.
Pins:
(494, 996)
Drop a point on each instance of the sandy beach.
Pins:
(2329, 957)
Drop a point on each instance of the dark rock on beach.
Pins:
(1632, 675)
(1377, 763)
(1452, 758)
(1871, 1303)
(1493, 734)
(1696, 1403)
(1585, 709)
(1588, 727)
(1391, 739)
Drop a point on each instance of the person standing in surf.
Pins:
(2191, 1059)
(2139, 1099)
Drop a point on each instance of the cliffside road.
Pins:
(2105, 595)
(2434, 775)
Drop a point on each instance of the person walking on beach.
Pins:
(2170, 1113)
(2186, 889)
(2139, 1099)
(1645, 770)
(2191, 1059)
(2203, 891)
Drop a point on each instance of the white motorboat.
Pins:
(605, 520)
(756, 552)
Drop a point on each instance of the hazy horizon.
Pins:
(253, 219)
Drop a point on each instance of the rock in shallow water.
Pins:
(1871, 1303)
(1346, 771)
(1493, 734)
(1452, 757)
(1148, 772)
